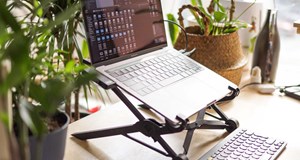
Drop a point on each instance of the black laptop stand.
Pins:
(151, 128)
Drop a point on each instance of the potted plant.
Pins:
(43, 73)
(214, 37)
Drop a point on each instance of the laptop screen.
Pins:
(119, 29)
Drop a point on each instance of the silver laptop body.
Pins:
(128, 44)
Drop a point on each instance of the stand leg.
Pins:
(221, 123)
(129, 105)
(231, 124)
(191, 128)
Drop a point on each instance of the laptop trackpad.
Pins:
(193, 92)
(185, 97)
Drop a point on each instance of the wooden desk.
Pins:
(273, 115)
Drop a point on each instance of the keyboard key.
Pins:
(129, 82)
(270, 153)
(141, 92)
(243, 147)
(222, 156)
(138, 86)
(237, 153)
(270, 141)
(170, 80)
(245, 155)
(258, 153)
(122, 78)
(152, 88)
(265, 157)
(184, 74)
(232, 156)
(254, 156)
(147, 90)
(157, 86)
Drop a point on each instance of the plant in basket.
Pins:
(215, 37)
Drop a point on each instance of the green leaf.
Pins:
(220, 6)
(4, 119)
(219, 16)
(70, 66)
(194, 2)
(80, 68)
(230, 30)
(252, 44)
(85, 78)
(85, 49)
(3, 34)
(200, 3)
(173, 29)
(39, 9)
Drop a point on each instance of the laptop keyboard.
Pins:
(148, 76)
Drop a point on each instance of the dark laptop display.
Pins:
(119, 29)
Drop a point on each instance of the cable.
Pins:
(184, 51)
(249, 84)
(256, 80)
(283, 88)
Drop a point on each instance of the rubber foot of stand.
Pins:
(232, 125)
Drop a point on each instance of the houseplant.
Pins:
(43, 74)
(215, 38)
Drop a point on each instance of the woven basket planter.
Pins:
(222, 54)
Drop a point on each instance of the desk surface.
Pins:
(273, 115)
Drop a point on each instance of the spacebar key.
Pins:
(170, 80)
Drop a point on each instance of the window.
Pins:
(289, 66)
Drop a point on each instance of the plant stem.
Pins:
(211, 7)
(232, 9)
(68, 106)
(23, 140)
(76, 105)
(39, 148)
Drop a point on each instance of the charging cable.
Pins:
(256, 82)
(183, 51)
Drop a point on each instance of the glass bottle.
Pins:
(267, 48)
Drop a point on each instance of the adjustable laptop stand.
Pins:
(151, 128)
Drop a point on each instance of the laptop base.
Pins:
(151, 128)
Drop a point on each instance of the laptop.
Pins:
(128, 43)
